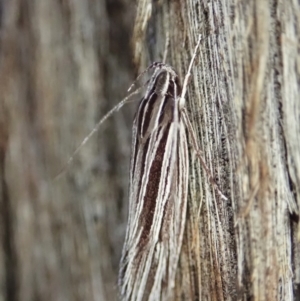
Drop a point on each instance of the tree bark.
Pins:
(64, 64)
(243, 102)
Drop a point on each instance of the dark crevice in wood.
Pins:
(8, 241)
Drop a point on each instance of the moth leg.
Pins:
(198, 152)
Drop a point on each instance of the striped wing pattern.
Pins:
(158, 192)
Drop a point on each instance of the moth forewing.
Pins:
(158, 191)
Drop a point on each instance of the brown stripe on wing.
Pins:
(150, 105)
(156, 106)
(145, 113)
(154, 178)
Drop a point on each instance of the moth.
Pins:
(158, 188)
(158, 191)
(158, 185)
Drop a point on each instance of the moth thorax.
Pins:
(162, 82)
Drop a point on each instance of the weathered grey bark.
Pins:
(244, 104)
(65, 63)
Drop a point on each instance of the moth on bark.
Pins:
(158, 188)
(158, 185)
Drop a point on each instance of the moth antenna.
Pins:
(166, 47)
(188, 74)
(96, 128)
(190, 127)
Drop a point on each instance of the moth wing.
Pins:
(158, 198)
